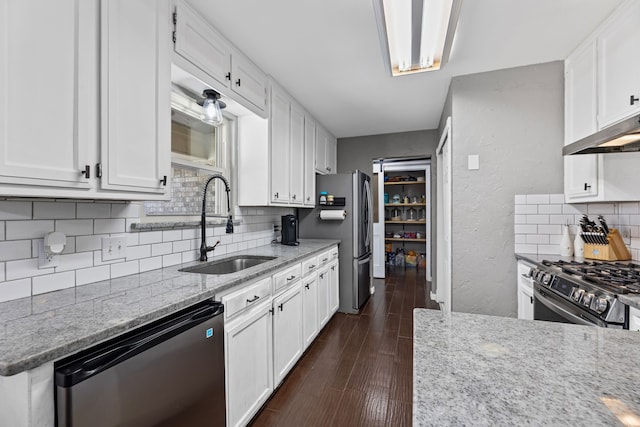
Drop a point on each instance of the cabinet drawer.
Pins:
(333, 253)
(246, 297)
(286, 277)
(324, 258)
(309, 265)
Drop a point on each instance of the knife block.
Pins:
(615, 250)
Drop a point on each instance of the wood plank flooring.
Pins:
(358, 372)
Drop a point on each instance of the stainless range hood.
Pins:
(623, 137)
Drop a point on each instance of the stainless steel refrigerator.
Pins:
(354, 232)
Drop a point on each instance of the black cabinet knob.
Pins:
(586, 186)
(633, 99)
(238, 82)
(86, 172)
(228, 76)
(163, 181)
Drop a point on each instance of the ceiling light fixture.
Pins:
(416, 35)
(211, 107)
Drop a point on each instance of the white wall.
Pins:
(23, 223)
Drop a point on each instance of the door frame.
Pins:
(443, 281)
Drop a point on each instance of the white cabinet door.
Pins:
(525, 303)
(634, 319)
(581, 176)
(200, 44)
(280, 156)
(135, 96)
(323, 296)
(47, 92)
(296, 162)
(249, 367)
(309, 161)
(309, 309)
(581, 93)
(321, 149)
(249, 81)
(332, 154)
(618, 64)
(287, 331)
(334, 287)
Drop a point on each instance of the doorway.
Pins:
(442, 294)
(402, 226)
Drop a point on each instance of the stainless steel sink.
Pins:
(228, 265)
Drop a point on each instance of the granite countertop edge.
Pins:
(630, 300)
(25, 359)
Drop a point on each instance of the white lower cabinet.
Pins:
(634, 319)
(249, 366)
(334, 287)
(323, 296)
(287, 331)
(525, 291)
(309, 309)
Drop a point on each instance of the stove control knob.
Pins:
(546, 279)
(601, 305)
(577, 294)
(586, 300)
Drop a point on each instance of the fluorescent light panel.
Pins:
(415, 33)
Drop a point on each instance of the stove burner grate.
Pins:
(622, 278)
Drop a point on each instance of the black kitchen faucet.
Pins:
(203, 221)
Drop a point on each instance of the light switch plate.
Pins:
(473, 162)
(114, 247)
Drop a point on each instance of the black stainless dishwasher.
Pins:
(167, 373)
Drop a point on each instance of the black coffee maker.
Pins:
(289, 230)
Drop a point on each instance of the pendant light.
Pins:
(211, 107)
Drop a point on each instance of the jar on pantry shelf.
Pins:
(412, 215)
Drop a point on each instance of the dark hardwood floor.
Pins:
(359, 369)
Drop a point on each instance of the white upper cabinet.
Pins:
(200, 44)
(85, 98)
(326, 150)
(279, 123)
(45, 60)
(136, 84)
(309, 161)
(618, 77)
(296, 162)
(601, 82)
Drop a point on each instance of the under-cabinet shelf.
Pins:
(390, 205)
(393, 239)
(405, 183)
(406, 222)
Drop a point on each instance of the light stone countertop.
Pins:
(49, 326)
(479, 370)
(628, 299)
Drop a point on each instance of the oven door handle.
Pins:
(539, 296)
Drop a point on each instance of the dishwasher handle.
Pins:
(117, 353)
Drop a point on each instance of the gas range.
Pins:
(584, 292)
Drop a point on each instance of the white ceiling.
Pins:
(327, 54)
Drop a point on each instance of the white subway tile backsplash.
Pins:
(520, 199)
(548, 249)
(537, 199)
(74, 261)
(75, 227)
(54, 210)
(106, 226)
(1, 230)
(2, 277)
(549, 229)
(189, 256)
(92, 275)
(561, 219)
(550, 209)
(526, 209)
(161, 249)
(147, 237)
(173, 259)
(600, 208)
(191, 233)
(133, 239)
(25, 268)
(126, 210)
(574, 209)
(11, 211)
(538, 239)
(181, 246)
(15, 289)
(537, 219)
(147, 264)
(53, 282)
(171, 235)
(89, 243)
(16, 230)
(521, 238)
(629, 208)
(124, 268)
(138, 252)
(554, 239)
(12, 250)
(526, 249)
(94, 210)
(556, 199)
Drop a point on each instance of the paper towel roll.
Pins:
(333, 215)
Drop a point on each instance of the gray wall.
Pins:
(514, 119)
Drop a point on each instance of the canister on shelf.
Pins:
(323, 198)
(329, 199)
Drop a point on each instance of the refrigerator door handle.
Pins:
(369, 206)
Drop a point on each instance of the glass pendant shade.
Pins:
(211, 112)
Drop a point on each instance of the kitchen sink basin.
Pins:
(228, 265)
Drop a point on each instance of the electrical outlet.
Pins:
(46, 260)
(114, 247)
